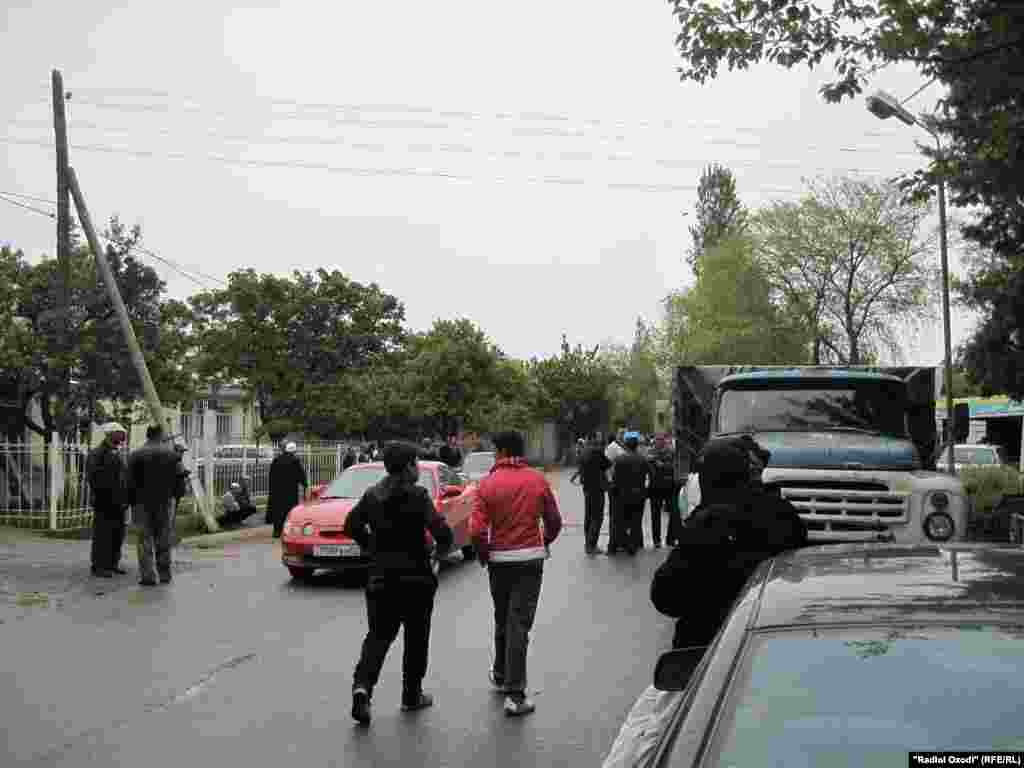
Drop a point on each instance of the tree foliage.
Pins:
(637, 382)
(729, 315)
(719, 213)
(69, 376)
(295, 342)
(850, 259)
(573, 388)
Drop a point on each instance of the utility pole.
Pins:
(152, 399)
(60, 134)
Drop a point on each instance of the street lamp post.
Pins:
(883, 106)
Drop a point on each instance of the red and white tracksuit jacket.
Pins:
(508, 508)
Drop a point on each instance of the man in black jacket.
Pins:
(450, 453)
(105, 471)
(152, 479)
(736, 526)
(593, 476)
(663, 480)
(390, 522)
(630, 475)
(288, 484)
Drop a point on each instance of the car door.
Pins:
(456, 509)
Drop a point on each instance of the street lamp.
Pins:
(883, 106)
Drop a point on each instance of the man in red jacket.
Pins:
(508, 508)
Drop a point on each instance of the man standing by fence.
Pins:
(105, 472)
(152, 480)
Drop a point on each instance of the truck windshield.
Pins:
(877, 407)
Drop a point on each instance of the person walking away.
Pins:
(736, 526)
(450, 453)
(631, 473)
(663, 478)
(287, 476)
(593, 476)
(153, 472)
(105, 471)
(389, 522)
(509, 507)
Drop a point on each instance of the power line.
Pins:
(29, 197)
(28, 207)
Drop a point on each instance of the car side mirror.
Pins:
(450, 491)
(675, 668)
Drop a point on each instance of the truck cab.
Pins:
(852, 449)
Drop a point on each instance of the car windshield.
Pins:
(478, 463)
(864, 696)
(354, 481)
(974, 456)
(877, 407)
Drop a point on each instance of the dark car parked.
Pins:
(846, 655)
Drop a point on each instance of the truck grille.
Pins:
(845, 507)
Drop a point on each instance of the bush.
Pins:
(987, 485)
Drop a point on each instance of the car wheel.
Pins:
(301, 574)
(469, 553)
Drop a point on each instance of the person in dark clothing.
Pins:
(389, 522)
(736, 526)
(105, 471)
(630, 475)
(286, 476)
(238, 504)
(593, 476)
(349, 460)
(450, 453)
(663, 477)
(153, 472)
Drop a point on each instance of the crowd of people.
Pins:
(515, 518)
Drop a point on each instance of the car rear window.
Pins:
(865, 696)
(478, 463)
(356, 480)
(974, 456)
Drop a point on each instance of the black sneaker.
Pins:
(361, 706)
(102, 573)
(147, 582)
(166, 579)
(420, 701)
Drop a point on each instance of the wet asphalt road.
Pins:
(235, 664)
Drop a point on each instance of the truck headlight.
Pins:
(939, 526)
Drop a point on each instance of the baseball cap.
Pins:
(631, 436)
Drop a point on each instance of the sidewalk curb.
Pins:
(223, 537)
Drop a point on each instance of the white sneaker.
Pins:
(518, 705)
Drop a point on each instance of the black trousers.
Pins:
(675, 518)
(515, 590)
(593, 516)
(108, 530)
(388, 607)
(632, 516)
(617, 527)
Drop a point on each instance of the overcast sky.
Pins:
(525, 165)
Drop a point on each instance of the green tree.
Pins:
(719, 213)
(453, 375)
(637, 384)
(729, 315)
(850, 260)
(573, 389)
(295, 342)
(69, 381)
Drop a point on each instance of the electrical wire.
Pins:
(133, 249)
(29, 197)
(28, 207)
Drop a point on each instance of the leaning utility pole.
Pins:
(152, 399)
(60, 135)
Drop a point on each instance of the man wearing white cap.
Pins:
(105, 471)
(286, 476)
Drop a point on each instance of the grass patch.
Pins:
(32, 599)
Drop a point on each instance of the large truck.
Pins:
(854, 449)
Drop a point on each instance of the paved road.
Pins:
(237, 665)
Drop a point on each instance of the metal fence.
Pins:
(45, 486)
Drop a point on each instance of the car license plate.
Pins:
(336, 550)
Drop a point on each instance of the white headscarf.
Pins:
(291, 448)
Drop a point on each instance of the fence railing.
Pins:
(44, 486)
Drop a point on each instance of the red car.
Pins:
(313, 539)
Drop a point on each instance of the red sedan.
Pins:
(313, 538)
